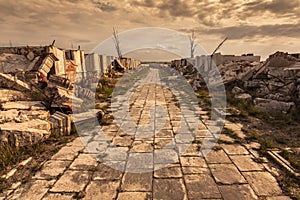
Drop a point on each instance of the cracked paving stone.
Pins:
(104, 190)
(169, 189)
(137, 182)
(240, 192)
(84, 162)
(200, 186)
(193, 162)
(263, 183)
(52, 169)
(234, 149)
(105, 172)
(58, 196)
(134, 196)
(170, 171)
(71, 181)
(217, 156)
(226, 174)
(35, 189)
(246, 163)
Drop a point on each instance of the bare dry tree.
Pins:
(192, 43)
(117, 42)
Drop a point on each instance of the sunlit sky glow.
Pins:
(252, 26)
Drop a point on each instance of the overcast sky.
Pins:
(252, 26)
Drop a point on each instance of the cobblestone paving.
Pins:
(226, 172)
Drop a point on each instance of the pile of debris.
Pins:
(273, 85)
(38, 93)
(186, 69)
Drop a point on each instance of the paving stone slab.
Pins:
(233, 126)
(125, 141)
(139, 161)
(35, 189)
(225, 138)
(134, 196)
(165, 133)
(246, 163)
(84, 162)
(142, 146)
(226, 174)
(116, 154)
(52, 169)
(76, 143)
(217, 156)
(167, 143)
(71, 181)
(240, 192)
(195, 170)
(193, 161)
(279, 198)
(201, 186)
(105, 172)
(58, 196)
(263, 183)
(67, 153)
(104, 190)
(137, 182)
(169, 189)
(188, 149)
(162, 156)
(234, 149)
(170, 171)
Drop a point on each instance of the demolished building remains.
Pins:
(38, 90)
(273, 85)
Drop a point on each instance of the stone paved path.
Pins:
(143, 165)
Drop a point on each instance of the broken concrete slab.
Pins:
(273, 105)
(10, 115)
(13, 95)
(23, 105)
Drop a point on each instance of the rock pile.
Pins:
(273, 85)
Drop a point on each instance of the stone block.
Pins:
(23, 105)
(169, 189)
(71, 181)
(263, 183)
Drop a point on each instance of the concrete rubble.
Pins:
(41, 85)
(273, 85)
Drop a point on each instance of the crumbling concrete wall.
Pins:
(221, 59)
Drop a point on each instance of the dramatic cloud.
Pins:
(88, 22)
(247, 31)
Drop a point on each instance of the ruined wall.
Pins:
(221, 59)
(60, 65)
